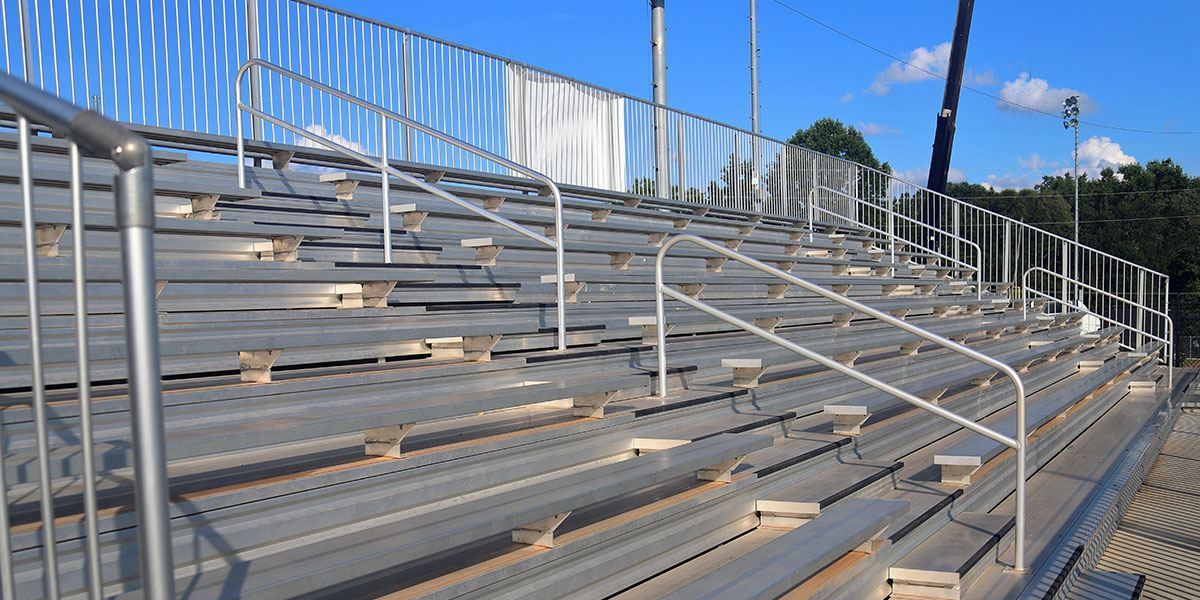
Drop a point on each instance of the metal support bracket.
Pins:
(204, 208)
(280, 159)
(472, 348)
(746, 371)
(385, 441)
(410, 216)
(721, 472)
(48, 237)
(768, 323)
(283, 248)
(649, 329)
(255, 365)
(591, 406)
(486, 250)
(619, 261)
(344, 189)
(571, 288)
(540, 532)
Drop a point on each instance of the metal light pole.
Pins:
(754, 66)
(756, 150)
(1071, 119)
(658, 43)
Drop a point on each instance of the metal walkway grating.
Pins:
(1159, 535)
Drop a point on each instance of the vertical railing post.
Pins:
(134, 197)
(891, 221)
(679, 160)
(1169, 326)
(26, 41)
(785, 190)
(1007, 272)
(387, 205)
(1066, 263)
(406, 84)
(252, 53)
(46, 495)
(660, 325)
(1141, 313)
(957, 229)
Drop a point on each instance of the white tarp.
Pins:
(569, 132)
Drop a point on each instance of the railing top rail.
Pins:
(524, 65)
(396, 28)
(1092, 288)
(1018, 442)
(1005, 218)
(93, 132)
(893, 235)
(407, 122)
(840, 299)
(1093, 313)
(372, 162)
(892, 212)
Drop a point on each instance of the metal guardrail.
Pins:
(572, 131)
(381, 163)
(892, 216)
(1019, 443)
(1169, 340)
(133, 191)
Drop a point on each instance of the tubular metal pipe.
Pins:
(1169, 340)
(252, 53)
(387, 204)
(94, 577)
(658, 44)
(556, 243)
(978, 266)
(134, 195)
(1019, 443)
(29, 229)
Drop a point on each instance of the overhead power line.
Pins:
(1126, 220)
(1013, 196)
(967, 87)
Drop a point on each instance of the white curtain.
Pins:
(570, 132)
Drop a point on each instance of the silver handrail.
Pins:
(1018, 443)
(978, 266)
(385, 170)
(1169, 340)
(133, 192)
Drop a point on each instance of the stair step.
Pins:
(945, 565)
(803, 501)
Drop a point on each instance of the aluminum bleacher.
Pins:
(314, 392)
(350, 409)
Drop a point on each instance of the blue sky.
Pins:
(1135, 64)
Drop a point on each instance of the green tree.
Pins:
(830, 136)
(1145, 214)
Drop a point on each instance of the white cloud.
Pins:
(1009, 181)
(874, 129)
(986, 78)
(1096, 153)
(1037, 94)
(320, 130)
(925, 64)
(1036, 162)
(922, 62)
(845, 99)
(920, 175)
(1103, 152)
